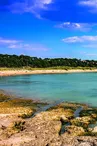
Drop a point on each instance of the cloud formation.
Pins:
(90, 3)
(88, 54)
(7, 41)
(75, 11)
(30, 6)
(80, 39)
(76, 26)
(18, 44)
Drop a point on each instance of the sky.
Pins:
(49, 28)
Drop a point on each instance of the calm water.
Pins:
(76, 87)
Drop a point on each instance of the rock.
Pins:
(82, 121)
(85, 144)
(74, 131)
(95, 130)
(56, 114)
(44, 129)
(85, 141)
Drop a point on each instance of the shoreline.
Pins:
(21, 121)
(47, 71)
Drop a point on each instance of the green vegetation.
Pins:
(23, 108)
(3, 97)
(89, 112)
(14, 61)
(18, 126)
(83, 121)
(90, 133)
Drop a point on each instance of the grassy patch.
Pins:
(48, 68)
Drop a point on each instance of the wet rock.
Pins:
(82, 121)
(89, 112)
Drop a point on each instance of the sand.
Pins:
(27, 72)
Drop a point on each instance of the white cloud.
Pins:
(31, 47)
(80, 39)
(42, 3)
(31, 6)
(89, 3)
(17, 44)
(88, 54)
(76, 26)
(7, 41)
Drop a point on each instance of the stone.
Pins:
(44, 128)
(95, 130)
(85, 144)
(82, 121)
(74, 131)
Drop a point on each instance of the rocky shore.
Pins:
(66, 124)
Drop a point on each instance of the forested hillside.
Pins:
(21, 61)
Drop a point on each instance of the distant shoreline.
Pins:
(42, 71)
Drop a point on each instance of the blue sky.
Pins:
(49, 28)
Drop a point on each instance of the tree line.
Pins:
(22, 61)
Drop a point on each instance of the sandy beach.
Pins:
(53, 71)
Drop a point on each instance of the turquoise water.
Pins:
(76, 87)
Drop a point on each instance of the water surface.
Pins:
(76, 87)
